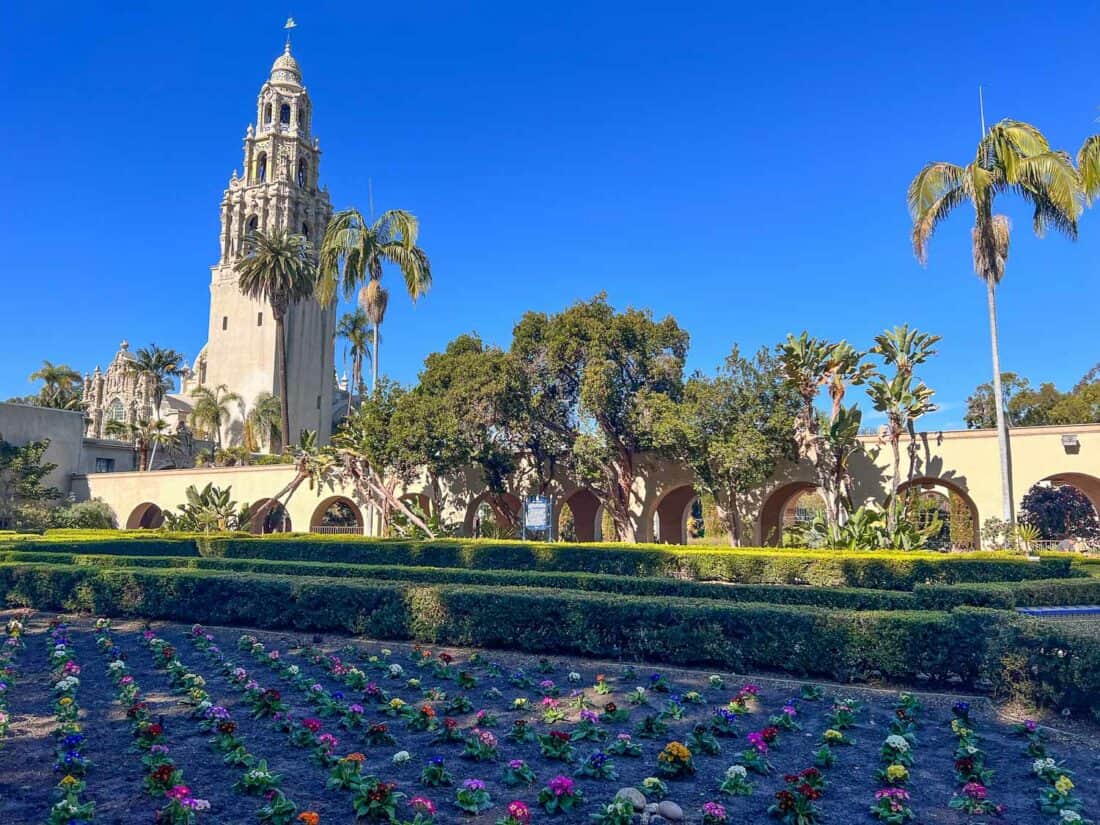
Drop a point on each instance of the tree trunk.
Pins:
(374, 360)
(280, 345)
(892, 512)
(1007, 504)
(143, 455)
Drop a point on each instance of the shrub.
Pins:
(1009, 595)
(84, 515)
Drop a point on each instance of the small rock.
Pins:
(651, 808)
(670, 811)
(633, 796)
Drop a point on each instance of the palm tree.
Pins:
(354, 328)
(146, 435)
(262, 423)
(1088, 164)
(896, 397)
(59, 383)
(1011, 157)
(160, 366)
(363, 248)
(211, 410)
(278, 268)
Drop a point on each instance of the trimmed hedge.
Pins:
(1009, 595)
(834, 597)
(878, 569)
(1036, 660)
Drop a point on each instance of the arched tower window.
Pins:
(303, 172)
(267, 114)
(301, 118)
(261, 167)
(305, 230)
(284, 114)
(116, 412)
(253, 224)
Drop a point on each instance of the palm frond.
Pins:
(1052, 184)
(1088, 166)
(933, 194)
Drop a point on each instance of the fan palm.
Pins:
(262, 423)
(160, 366)
(1012, 157)
(354, 328)
(211, 410)
(354, 252)
(1088, 164)
(147, 435)
(278, 268)
(59, 383)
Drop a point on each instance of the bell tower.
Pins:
(278, 191)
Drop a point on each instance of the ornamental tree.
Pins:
(1059, 513)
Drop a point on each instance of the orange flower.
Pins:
(309, 817)
(355, 757)
(428, 711)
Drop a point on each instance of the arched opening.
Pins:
(146, 516)
(493, 516)
(284, 114)
(269, 516)
(786, 505)
(1065, 510)
(267, 114)
(337, 515)
(303, 172)
(261, 167)
(301, 117)
(926, 500)
(305, 231)
(579, 518)
(670, 517)
(253, 225)
(115, 410)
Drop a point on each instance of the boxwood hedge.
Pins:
(1037, 660)
(879, 569)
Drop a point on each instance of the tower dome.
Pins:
(285, 69)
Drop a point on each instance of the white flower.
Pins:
(574, 677)
(1066, 816)
(736, 771)
(401, 757)
(293, 670)
(898, 743)
(117, 664)
(1041, 765)
(386, 651)
(413, 683)
(396, 670)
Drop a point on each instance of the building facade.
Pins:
(279, 190)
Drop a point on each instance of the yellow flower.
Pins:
(675, 752)
(897, 773)
(65, 701)
(1063, 784)
(68, 781)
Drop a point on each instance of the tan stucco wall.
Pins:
(21, 424)
(966, 460)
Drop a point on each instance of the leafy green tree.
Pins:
(159, 366)
(826, 442)
(211, 410)
(1026, 406)
(23, 493)
(899, 399)
(1012, 157)
(733, 430)
(610, 372)
(354, 252)
(60, 386)
(278, 268)
(1060, 512)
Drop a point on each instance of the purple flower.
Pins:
(473, 785)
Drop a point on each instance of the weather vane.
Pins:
(290, 24)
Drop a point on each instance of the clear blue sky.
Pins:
(742, 169)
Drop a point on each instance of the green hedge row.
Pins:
(1009, 595)
(834, 597)
(880, 569)
(1034, 660)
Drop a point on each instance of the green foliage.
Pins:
(95, 514)
(868, 528)
(23, 495)
(1026, 406)
(1059, 512)
(733, 430)
(61, 388)
(211, 509)
(1041, 661)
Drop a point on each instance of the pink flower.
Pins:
(975, 790)
(519, 812)
(422, 805)
(178, 792)
(561, 785)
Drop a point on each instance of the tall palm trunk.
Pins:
(1007, 503)
(895, 446)
(280, 345)
(374, 360)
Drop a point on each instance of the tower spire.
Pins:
(290, 24)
